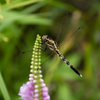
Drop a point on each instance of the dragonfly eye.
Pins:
(45, 37)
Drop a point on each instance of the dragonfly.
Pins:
(52, 45)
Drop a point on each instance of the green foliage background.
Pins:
(22, 20)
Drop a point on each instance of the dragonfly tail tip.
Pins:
(80, 75)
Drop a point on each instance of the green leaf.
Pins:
(10, 17)
(4, 89)
(18, 3)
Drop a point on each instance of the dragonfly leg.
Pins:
(42, 42)
(43, 48)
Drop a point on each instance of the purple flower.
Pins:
(30, 91)
(26, 91)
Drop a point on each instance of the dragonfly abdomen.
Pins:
(67, 62)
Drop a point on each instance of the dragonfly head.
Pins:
(44, 38)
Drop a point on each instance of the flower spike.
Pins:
(35, 88)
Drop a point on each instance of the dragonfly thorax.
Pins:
(52, 45)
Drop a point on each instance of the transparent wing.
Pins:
(74, 36)
(25, 55)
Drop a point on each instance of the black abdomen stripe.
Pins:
(67, 62)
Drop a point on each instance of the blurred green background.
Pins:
(22, 20)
